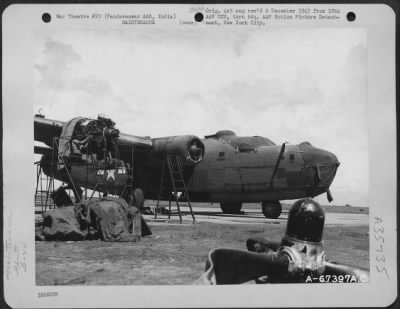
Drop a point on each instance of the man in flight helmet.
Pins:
(302, 244)
(298, 258)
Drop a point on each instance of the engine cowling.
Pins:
(189, 147)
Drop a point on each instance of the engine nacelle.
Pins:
(189, 147)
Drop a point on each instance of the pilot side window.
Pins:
(245, 148)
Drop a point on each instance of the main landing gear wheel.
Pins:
(231, 208)
(271, 209)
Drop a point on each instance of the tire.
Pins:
(271, 209)
(231, 208)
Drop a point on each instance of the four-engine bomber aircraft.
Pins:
(222, 167)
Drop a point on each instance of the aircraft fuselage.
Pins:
(227, 174)
(221, 167)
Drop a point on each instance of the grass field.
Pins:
(174, 254)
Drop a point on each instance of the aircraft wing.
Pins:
(46, 129)
(188, 147)
(127, 143)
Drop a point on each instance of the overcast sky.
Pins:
(286, 84)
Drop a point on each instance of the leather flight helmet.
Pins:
(305, 222)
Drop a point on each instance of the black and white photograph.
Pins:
(175, 148)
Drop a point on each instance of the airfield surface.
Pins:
(176, 253)
(255, 216)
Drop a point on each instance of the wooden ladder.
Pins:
(172, 185)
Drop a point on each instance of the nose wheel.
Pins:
(271, 209)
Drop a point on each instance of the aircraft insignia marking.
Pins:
(111, 174)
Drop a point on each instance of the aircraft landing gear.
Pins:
(231, 208)
(271, 209)
(139, 199)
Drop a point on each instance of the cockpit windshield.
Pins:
(241, 143)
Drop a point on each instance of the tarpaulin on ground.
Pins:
(109, 219)
(60, 224)
(114, 220)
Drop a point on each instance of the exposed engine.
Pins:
(98, 137)
(188, 147)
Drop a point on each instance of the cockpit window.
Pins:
(245, 148)
(262, 141)
(249, 143)
(241, 143)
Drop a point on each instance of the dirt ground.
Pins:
(174, 254)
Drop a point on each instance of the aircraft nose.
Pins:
(324, 162)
